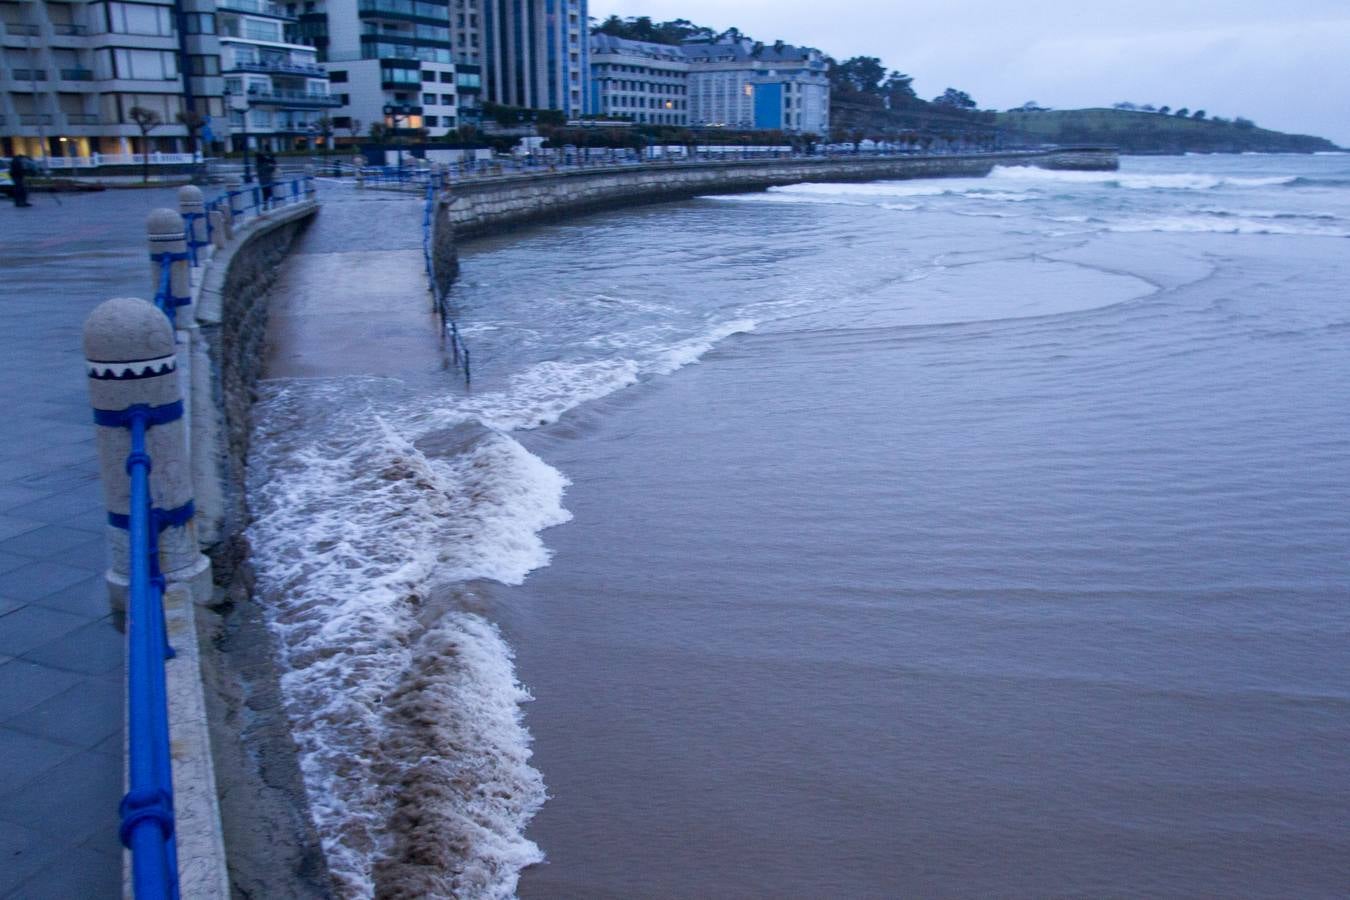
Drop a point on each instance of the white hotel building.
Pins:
(712, 84)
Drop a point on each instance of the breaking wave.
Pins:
(372, 519)
(1178, 181)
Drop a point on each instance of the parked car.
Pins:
(6, 183)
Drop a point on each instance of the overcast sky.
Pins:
(1283, 63)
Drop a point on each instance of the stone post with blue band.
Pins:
(192, 207)
(132, 365)
(168, 243)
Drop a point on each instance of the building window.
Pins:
(428, 99)
(428, 76)
(337, 76)
(431, 121)
(447, 99)
(447, 78)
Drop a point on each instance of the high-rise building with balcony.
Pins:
(390, 63)
(278, 84)
(71, 73)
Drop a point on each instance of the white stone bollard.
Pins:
(220, 228)
(359, 162)
(234, 190)
(168, 240)
(131, 363)
(193, 209)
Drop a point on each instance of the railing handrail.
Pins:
(147, 808)
(449, 327)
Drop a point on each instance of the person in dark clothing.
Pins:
(267, 170)
(19, 167)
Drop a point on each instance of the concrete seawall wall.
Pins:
(491, 205)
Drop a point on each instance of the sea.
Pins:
(942, 538)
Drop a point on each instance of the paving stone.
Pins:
(11, 561)
(37, 579)
(47, 542)
(96, 649)
(10, 526)
(23, 758)
(27, 684)
(87, 783)
(79, 873)
(32, 627)
(88, 598)
(84, 715)
(92, 555)
(24, 852)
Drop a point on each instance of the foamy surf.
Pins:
(368, 523)
(405, 707)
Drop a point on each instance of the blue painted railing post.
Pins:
(170, 273)
(138, 410)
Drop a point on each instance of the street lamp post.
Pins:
(243, 116)
(397, 113)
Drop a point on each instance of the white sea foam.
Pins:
(1177, 181)
(353, 528)
(1225, 225)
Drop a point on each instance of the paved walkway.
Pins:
(61, 658)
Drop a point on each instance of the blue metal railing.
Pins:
(459, 351)
(147, 809)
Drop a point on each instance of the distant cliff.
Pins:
(1151, 133)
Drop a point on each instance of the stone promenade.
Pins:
(61, 656)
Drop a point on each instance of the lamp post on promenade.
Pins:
(243, 117)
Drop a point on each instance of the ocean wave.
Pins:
(969, 188)
(1179, 181)
(1224, 225)
(354, 529)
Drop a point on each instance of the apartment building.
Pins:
(390, 63)
(71, 72)
(647, 83)
(276, 91)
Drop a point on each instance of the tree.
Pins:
(1240, 122)
(1125, 104)
(1198, 114)
(898, 90)
(861, 74)
(1033, 106)
(1149, 107)
(147, 120)
(378, 132)
(354, 127)
(951, 98)
(194, 122)
(1182, 113)
(1165, 110)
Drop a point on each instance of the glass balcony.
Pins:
(77, 75)
(68, 30)
(293, 98)
(82, 118)
(21, 29)
(283, 67)
(256, 7)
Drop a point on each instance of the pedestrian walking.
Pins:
(267, 170)
(19, 168)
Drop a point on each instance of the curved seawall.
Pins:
(485, 206)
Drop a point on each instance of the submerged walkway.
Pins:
(349, 299)
(61, 656)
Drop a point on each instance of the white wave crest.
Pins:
(352, 531)
(1179, 181)
(1224, 225)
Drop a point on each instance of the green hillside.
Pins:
(1151, 132)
